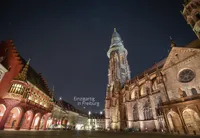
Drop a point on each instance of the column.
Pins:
(45, 122)
(30, 122)
(4, 118)
(166, 120)
(182, 121)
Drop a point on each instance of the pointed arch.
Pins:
(192, 120)
(2, 110)
(147, 111)
(14, 117)
(135, 113)
(175, 122)
(194, 91)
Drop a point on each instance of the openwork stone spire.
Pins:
(23, 74)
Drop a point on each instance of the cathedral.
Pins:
(165, 97)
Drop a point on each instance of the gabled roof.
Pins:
(67, 106)
(178, 54)
(32, 76)
(194, 45)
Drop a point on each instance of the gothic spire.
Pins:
(23, 74)
(116, 39)
(173, 44)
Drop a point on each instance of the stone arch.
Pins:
(49, 122)
(135, 113)
(192, 120)
(36, 121)
(14, 118)
(194, 91)
(27, 119)
(2, 110)
(175, 122)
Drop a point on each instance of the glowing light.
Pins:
(60, 98)
(89, 113)
(101, 112)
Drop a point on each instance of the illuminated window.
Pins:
(17, 88)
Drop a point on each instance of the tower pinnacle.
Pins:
(23, 74)
(115, 30)
(173, 44)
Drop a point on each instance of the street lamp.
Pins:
(101, 112)
(60, 98)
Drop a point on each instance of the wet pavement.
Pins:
(84, 134)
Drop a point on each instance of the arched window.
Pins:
(155, 85)
(142, 91)
(133, 94)
(147, 90)
(147, 111)
(135, 113)
(159, 103)
(184, 94)
(194, 91)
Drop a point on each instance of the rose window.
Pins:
(186, 75)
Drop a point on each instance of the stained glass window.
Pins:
(186, 75)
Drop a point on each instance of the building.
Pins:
(59, 117)
(95, 122)
(165, 97)
(68, 116)
(25, 99)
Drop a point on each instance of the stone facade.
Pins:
(165, 97)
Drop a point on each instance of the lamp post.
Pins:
(89, 113)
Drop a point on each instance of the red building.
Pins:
(25, 99)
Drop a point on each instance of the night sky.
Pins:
(68, 40)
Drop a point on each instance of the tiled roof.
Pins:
(67, 106)
(32, 76)
(97, 116)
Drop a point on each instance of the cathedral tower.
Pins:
(191, 13)
(118, 64)
(118, 74)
